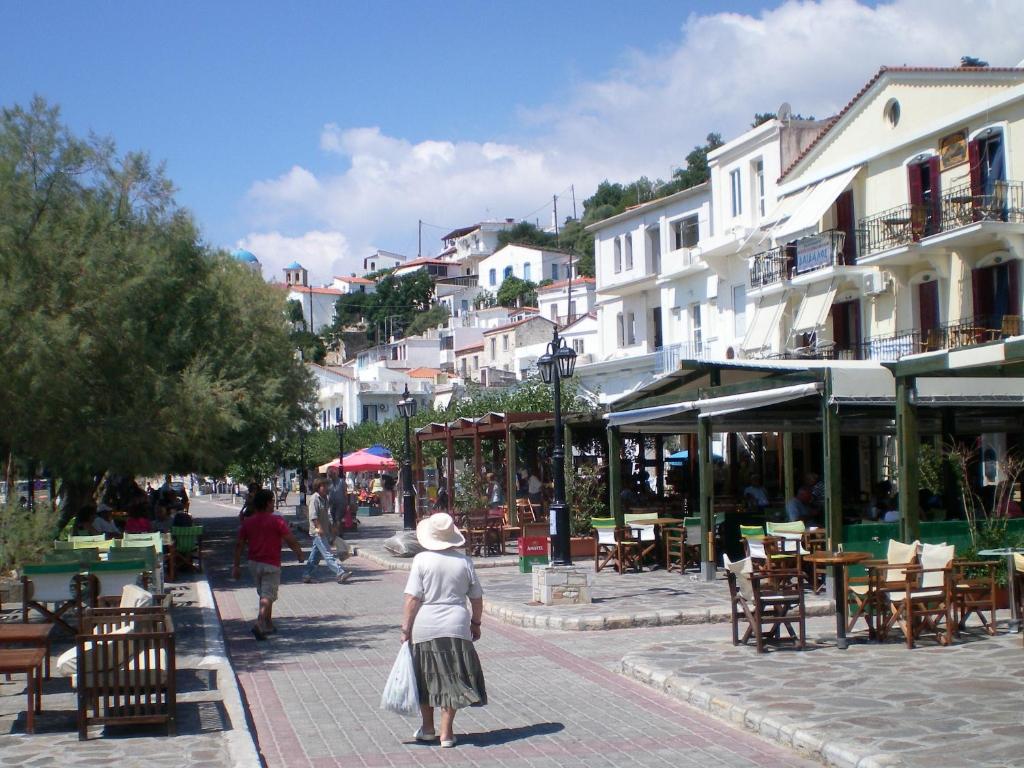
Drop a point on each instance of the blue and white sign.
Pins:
(813, 253)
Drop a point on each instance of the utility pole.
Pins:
(554, 203)
(572, 189)
(419, 238)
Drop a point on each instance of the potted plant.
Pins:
(586, 494)
(470, 491)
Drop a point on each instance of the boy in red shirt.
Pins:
(264, 531)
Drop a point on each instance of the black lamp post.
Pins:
(557, 363)
(407, 409)
(340, 426)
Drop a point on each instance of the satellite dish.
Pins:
(785, 112)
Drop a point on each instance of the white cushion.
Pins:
(742, 570)
(133, 596)
(67, 662)
(935, 556)
(899, 553)
(1018, 562)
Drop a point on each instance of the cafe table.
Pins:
(838, 562)
(1008, 553)
(36, 635)
(658, 523)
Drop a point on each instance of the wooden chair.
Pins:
(766, 603)
(816, 541)
(481, 536)
(866, 595)
(124, 670)
(153, 575)
(59, 584)
(646, 534)
(674, 539)
(694, 535)
(108, 579)
(994, 206)
(1010, 326)
(629, 549)
(188, 546)
(605, 551)
(781, 554)
(925, 605)
(974, 591)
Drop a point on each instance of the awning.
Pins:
(718, 406)
(639, 415)
(766, 320)
(786, 207)
(969, 390)
(814, 307)
(813, 206)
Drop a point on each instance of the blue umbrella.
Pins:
(379, 450)
(681, 457)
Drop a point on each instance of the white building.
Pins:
(337, 394)
(318, 303)
(511, 350)
(566, 301)
(468, 246)
(382, 260)
(522, 261)
(353, 284)
(436, 268)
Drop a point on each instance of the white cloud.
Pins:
(326, 252)
(641, 119)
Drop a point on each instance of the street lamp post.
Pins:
(557, 363)
(407, 409)
(341, 426)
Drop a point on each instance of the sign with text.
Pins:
(813, 253)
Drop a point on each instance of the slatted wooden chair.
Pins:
(616, 547)
(694, 535)
(867, 595)
(766, 603)
(188, 546)
(974, 592)
(483, 538)
(925, 605)
(108, 579)
(674, 539)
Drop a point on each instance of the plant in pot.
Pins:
(470, 492)
(586, 494)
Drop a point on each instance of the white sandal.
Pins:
(422, 735)
(449, 742)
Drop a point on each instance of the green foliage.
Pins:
(525, 233)
(470, 490)
(25, 535)
(516, 292)
(588, 497)
(392, 307)
(993, 534)
(433, 317)
(696, 170)
(484, 299)
(139, 348)
(930, 463)
(760, 118)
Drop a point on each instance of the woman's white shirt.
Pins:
(442, 581)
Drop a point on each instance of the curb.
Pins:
(404, 564)
(242, 749)
(811, 742)
(530, 617)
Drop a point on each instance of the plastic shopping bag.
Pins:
(400, 693)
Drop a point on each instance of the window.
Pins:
(739, 310)
(476, 362)
(631, 328)
(493, 276)
(572, 311)
(494, 348)
(507, 273)
(504, 343)
(617, 256)
(892, 112)
(464, 367)
(464, 304)
(685, 232)
(370, 413)
(737, 192)
(620, 322)
(554, 271)
(759, 187)
(577, 346)
(629, 252)
(526, 271)
(554, 312)
(696, 326)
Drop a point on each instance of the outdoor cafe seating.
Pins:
(766, 602)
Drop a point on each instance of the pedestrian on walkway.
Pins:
(264, 531)
(441, 629)
(322, 530)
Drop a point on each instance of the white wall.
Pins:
(516, 258)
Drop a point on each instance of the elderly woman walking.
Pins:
(441, 629)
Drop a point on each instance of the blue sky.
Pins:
(320, 130)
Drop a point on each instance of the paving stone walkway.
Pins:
(314, 689)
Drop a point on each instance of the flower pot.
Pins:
(581, 547)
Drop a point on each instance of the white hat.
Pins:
(438, 532)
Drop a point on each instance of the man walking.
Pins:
(264, 531)
(321, 529)
(337, 498)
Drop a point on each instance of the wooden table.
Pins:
(29, 661)
(34, 635)
(1008, 553)
(657, 522)
(838, 561)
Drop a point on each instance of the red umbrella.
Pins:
(361, 461)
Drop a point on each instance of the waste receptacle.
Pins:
(533, 550)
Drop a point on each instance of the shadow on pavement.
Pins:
(507, 735)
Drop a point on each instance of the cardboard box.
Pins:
(531, 546)
(526, 562)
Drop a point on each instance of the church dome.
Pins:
(244, 256)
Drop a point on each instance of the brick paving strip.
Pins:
(313, 690)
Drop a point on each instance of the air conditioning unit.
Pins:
(383, 407)
(876, 283)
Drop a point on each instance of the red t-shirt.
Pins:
(264, 531)
(137, 525)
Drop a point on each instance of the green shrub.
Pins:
(25, 535)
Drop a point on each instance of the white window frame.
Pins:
(696, 327)
(759, 187)
(493, 276)
(628, 247)
(680, 226)
(616, 255)
(736, 188)
(620, 323)
(631, 328)
(577, 346)
(526, 271)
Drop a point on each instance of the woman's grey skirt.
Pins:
(448, 673)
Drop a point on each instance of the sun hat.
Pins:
(438, 532)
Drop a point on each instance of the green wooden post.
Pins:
(615, 476)
(570, 467)
(511, 477)
(910, 472)
(832, 467)
(788, 481)
(705, 470)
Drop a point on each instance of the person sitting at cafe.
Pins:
(754, 495)
(81, 524)
(137, 521)
(104, 523)
(800, 507)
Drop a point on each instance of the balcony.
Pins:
(906, 224)
(467, 281)
(668, 357)
(806, 255)
(570, 318)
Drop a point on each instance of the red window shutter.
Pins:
(928, 301)
(840, 333)
(914, 184)
(855, 324)
(981, 292)
(935, 178)
(845, 223)
(974, 157)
